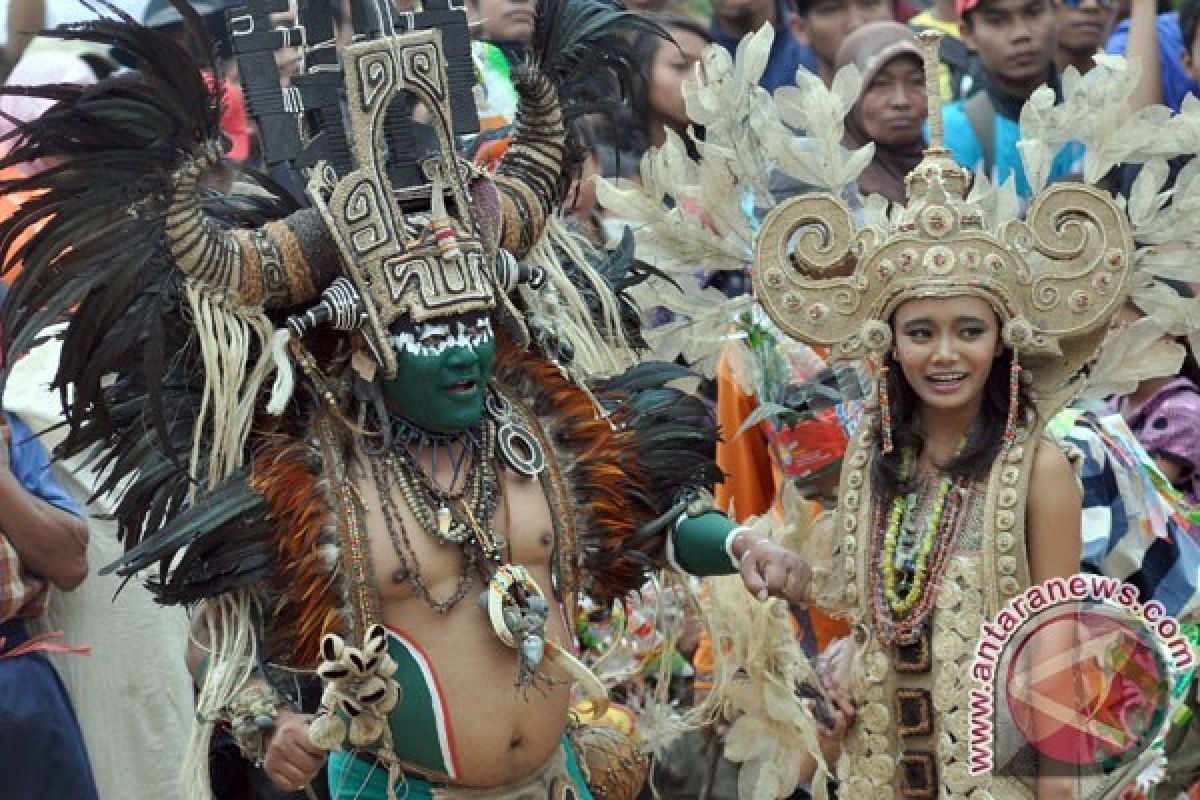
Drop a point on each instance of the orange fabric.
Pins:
(751, 482)
(750, 473)
(10, 204)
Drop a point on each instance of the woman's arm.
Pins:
(1053, 516)
(1054, 538)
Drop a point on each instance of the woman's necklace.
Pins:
(912, 557)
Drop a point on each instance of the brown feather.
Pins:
(287, 475)
(599, 463)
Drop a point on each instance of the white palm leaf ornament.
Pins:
(691, 215)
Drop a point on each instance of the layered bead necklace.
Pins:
(910, 557)
(464, 517)
(431, 505)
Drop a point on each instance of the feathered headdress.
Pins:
(184, 285)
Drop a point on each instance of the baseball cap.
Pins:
(963, 6)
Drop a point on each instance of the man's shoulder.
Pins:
(959, 134)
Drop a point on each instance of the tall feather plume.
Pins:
(576, 42)
(131, 358)
(583, 47)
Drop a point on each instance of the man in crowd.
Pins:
(958, 65)
(503, 22)
(1083, 28)
(1015, 42)
(733, 19)
(827, 23)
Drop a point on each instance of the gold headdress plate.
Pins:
(1053, 278)
(415, 266)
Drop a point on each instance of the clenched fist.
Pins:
(292, 761)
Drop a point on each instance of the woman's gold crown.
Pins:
(1054, 278)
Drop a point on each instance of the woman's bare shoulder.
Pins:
(1051, 463)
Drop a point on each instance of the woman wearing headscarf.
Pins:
(891, 109)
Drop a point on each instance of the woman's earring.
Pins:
(885, 408)
(1014, 401)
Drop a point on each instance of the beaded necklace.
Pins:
(431, 504)
(398, 534)
(512, 600)
(476, 503)
(911, 559)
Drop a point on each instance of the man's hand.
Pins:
(770, 570)
(292, 761)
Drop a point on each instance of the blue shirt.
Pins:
(1176, 83)
(31, 467)
(967, 151)
(787, 54)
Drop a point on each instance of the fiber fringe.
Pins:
(229, 620)
(601, 347)
(229, 338)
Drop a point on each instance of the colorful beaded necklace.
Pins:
(911, 558)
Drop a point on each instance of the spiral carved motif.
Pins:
(423, 68)
(360, 206)
(1076, 228)
(375, 78)
(800, 245)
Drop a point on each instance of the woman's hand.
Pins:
(830, 738)
(292, 760)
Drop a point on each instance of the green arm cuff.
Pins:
(699, 544)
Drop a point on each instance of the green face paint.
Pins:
(442, 370)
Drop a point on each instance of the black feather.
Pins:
(584, 48)
(224, 540)
(676, 437)
(96, 260)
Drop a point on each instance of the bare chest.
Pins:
(411, 557)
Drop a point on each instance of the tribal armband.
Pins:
(251, 718)
(699, 541)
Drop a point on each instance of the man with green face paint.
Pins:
(477, 443)
(443, 368)
(451, 730)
